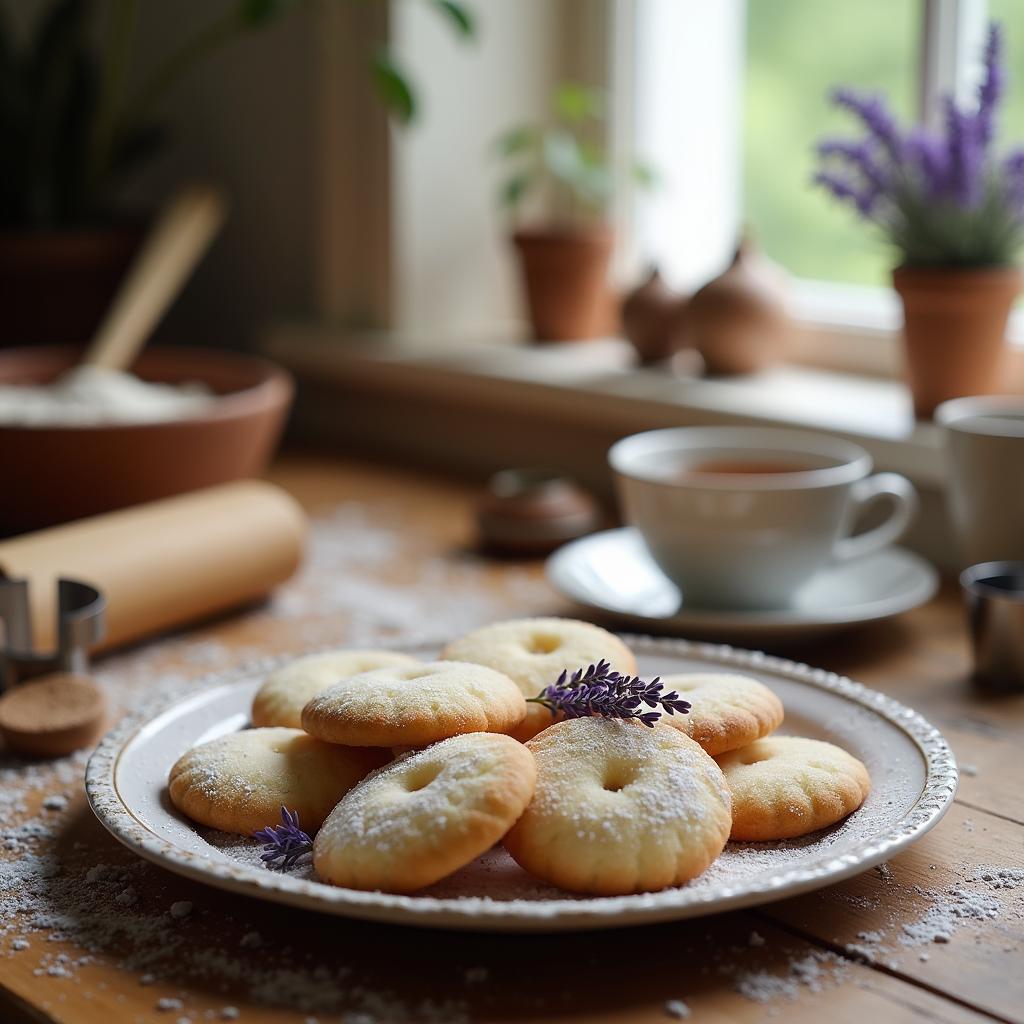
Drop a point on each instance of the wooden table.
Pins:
(833, 955)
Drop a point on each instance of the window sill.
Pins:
(596, 384)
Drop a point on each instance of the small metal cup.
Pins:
(994, 592)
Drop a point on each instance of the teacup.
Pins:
(742, 517)
(985, 444)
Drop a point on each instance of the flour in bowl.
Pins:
(95, 395)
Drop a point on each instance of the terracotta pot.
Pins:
(566, 278)
(54, 474)
(954, 330)
(56, 285)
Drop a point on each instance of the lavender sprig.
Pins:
(942, 197)
(285, 842)
(600, 690)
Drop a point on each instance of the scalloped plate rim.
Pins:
(482, 914)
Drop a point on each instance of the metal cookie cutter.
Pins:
(80, 625)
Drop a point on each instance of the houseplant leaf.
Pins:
(458, 16)
(60, 44)
(393, 87)
(72, 199)
(517, 140)
(514, 189)
(574, 102)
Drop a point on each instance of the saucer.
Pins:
(612, 573)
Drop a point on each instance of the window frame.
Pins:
(846, 327)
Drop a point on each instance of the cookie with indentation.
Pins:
(726, 711)
(287, 690)
(534, 652)
(240, 782)
(785, 786)
(620, 808)
(426, 815)
(414, 705)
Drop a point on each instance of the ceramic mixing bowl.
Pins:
(52, 474)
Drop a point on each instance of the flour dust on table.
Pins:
(72, 902)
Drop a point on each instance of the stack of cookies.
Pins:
(406, 771)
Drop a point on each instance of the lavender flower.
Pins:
(1013, 178)
(965, 155)
(599, 690)
(875, 115)
(285, 842)
(941, 198)
(863, 196)
(992, 86)
(927, 156)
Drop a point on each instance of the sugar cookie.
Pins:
(534, 652)
(238, 783)
(727, 711)
(286, 691)
(784, 787)
(426, 815)
(414, 705)
(620, 808)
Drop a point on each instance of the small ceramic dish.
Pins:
(912, 770)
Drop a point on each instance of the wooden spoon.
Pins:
(179, 239)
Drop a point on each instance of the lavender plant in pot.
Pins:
(952, 207)
(556, 191)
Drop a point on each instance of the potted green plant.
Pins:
(556, 188)
(75, 132)
(953, 209)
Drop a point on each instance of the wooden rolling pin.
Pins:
(167, 563)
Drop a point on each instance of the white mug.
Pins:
(742, 517)
(985, 449)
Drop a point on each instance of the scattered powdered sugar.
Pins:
(972, 904)
(813, 972)
(354, 590)
(71, 905)
(999, 878)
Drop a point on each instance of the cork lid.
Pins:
(52, 716)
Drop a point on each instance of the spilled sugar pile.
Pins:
(810, 973)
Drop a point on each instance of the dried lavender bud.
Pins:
(285, 842)
(599, 690)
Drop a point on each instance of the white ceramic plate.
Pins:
(613, 574)
(913, 783)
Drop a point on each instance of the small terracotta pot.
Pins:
(565, 274)
(55, 286)
(954, 330)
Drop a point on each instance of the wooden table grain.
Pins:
(834, 955)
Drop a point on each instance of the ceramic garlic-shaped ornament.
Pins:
(739, 321)
(651, 318)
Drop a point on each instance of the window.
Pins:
(795, 52)
(728, 101)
